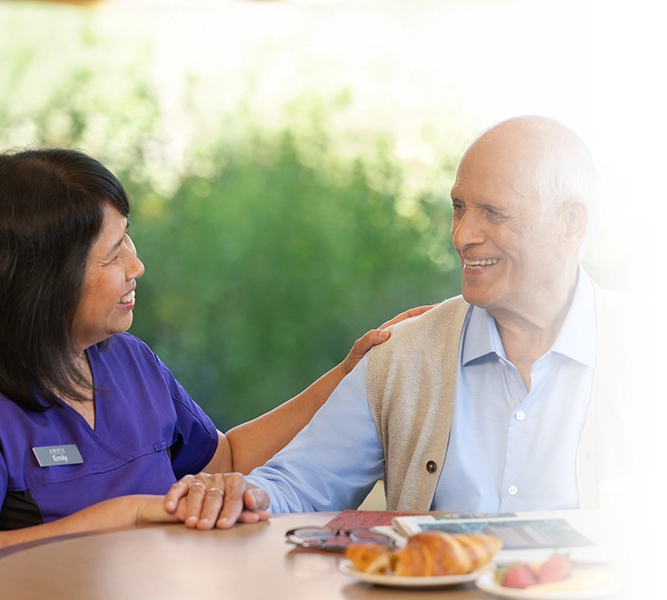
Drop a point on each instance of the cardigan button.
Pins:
(431, 467)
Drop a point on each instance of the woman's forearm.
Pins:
(116, 512)
(255, 442)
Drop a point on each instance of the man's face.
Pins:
(509, 256)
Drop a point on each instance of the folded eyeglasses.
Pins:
(334, 540)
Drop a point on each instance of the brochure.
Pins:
(516, 533)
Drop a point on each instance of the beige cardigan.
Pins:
(411, 380)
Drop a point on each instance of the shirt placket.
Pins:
(518, 419)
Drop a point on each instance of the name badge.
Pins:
(53, 456)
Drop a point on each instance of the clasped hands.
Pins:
(205, 501)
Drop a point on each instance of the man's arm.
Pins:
(255, 442)
(217, 498)
(209, 492)
(334, 462)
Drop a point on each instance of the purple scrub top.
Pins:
(148, 433)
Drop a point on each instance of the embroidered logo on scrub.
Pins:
(53, 456)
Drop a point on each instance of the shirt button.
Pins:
(512, 490)
(520, 415)
(502, 362)
(431, 466)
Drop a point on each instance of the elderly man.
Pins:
(507, 398)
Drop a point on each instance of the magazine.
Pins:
(515, 532)
(525, 536)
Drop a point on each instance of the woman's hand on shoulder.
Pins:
(205, 501)
(377, 336)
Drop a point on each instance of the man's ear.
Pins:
(574, 222)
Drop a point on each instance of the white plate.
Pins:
(409, 582)
(598, 584)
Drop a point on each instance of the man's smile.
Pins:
(478, 264)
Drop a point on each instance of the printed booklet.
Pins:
(534, 535)
(515, 532)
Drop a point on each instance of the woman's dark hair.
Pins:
(51, 211)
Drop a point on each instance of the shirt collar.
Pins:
(576, 338)
(479, 336)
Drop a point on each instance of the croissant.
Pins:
(370, 558)
(480, 548)
(429, 553)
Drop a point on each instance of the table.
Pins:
(169, 561)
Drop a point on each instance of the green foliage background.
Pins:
(259, 277)
(267, 254)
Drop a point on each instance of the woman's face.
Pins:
(109, 283)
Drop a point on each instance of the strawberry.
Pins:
(556, 568)
(519, 576)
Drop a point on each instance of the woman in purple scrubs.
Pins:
(94, 428)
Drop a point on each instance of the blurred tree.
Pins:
(259, 278)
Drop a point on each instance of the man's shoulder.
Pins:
(615, 305)
(614, 296)
(449, 309)
(623, 327)
(428, 329)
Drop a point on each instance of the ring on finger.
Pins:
(216, 490)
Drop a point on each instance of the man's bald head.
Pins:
(551, 161)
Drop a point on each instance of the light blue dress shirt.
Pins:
(509, 449)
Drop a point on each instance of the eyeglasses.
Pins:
(334, 540)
